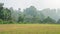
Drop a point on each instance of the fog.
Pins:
(39, 4)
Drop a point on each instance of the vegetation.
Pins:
(28, 16)
(30, 29)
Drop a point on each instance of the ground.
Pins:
(29, 28)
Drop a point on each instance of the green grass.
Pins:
(30, 29)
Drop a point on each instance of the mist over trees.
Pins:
(28, 16)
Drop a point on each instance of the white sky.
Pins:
(39, 4)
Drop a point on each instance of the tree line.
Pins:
(28, 16)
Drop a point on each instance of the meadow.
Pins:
(29, 28)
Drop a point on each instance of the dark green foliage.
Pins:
(1, 13)
(58, 22)
(1, 8)
(29, 16)
(49, 20)
(20, 19)
(1, 21)
(6, 14)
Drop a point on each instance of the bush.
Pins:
(1, 21)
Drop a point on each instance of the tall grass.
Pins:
(30, 29)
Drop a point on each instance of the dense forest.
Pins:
(28, 16)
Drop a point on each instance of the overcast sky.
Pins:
(39, 4)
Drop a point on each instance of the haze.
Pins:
(39, 4)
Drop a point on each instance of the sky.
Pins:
(23, 4)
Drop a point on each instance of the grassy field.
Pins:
(29, 28)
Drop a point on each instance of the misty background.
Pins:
(30, 10)
(39, 4)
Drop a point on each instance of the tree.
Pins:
(30, 13)
(1, 4)
(6, 14)
(41, 15)
(20, 18)
(58, 22)
(1, 13)
(14, 14)
(49, 20)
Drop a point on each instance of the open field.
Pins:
(29, 28)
